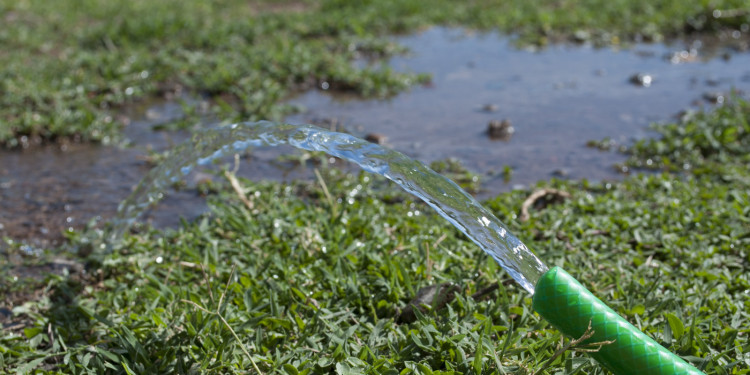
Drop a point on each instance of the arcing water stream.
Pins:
(449, 200)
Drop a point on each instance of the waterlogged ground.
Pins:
(556, 100)
(310, 277)
(307, 278)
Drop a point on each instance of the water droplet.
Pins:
(502, 232)
(27, 249)
(159, 260)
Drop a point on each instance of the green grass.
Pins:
(300, 283)
(66, 66)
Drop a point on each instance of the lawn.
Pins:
(309, 277)
(68, 66)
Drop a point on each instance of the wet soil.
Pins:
(50, 190)
(557, 99)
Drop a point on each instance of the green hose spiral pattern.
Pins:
(569, 306)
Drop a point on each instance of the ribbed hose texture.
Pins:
(569, 306)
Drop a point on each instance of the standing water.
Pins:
(556, 99)
(443, 195)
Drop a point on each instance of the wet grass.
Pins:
(66, 66)
(309, 278)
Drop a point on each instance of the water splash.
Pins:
(443, 195)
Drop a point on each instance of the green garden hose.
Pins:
(570, 307)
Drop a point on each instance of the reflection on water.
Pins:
(556, 100)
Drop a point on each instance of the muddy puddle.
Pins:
(48, 191)
(555, 100)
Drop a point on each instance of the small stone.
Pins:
(489, 107)
(562, 172)
(641, 79)
(376, 138)
(714, 97)
(502, 130)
